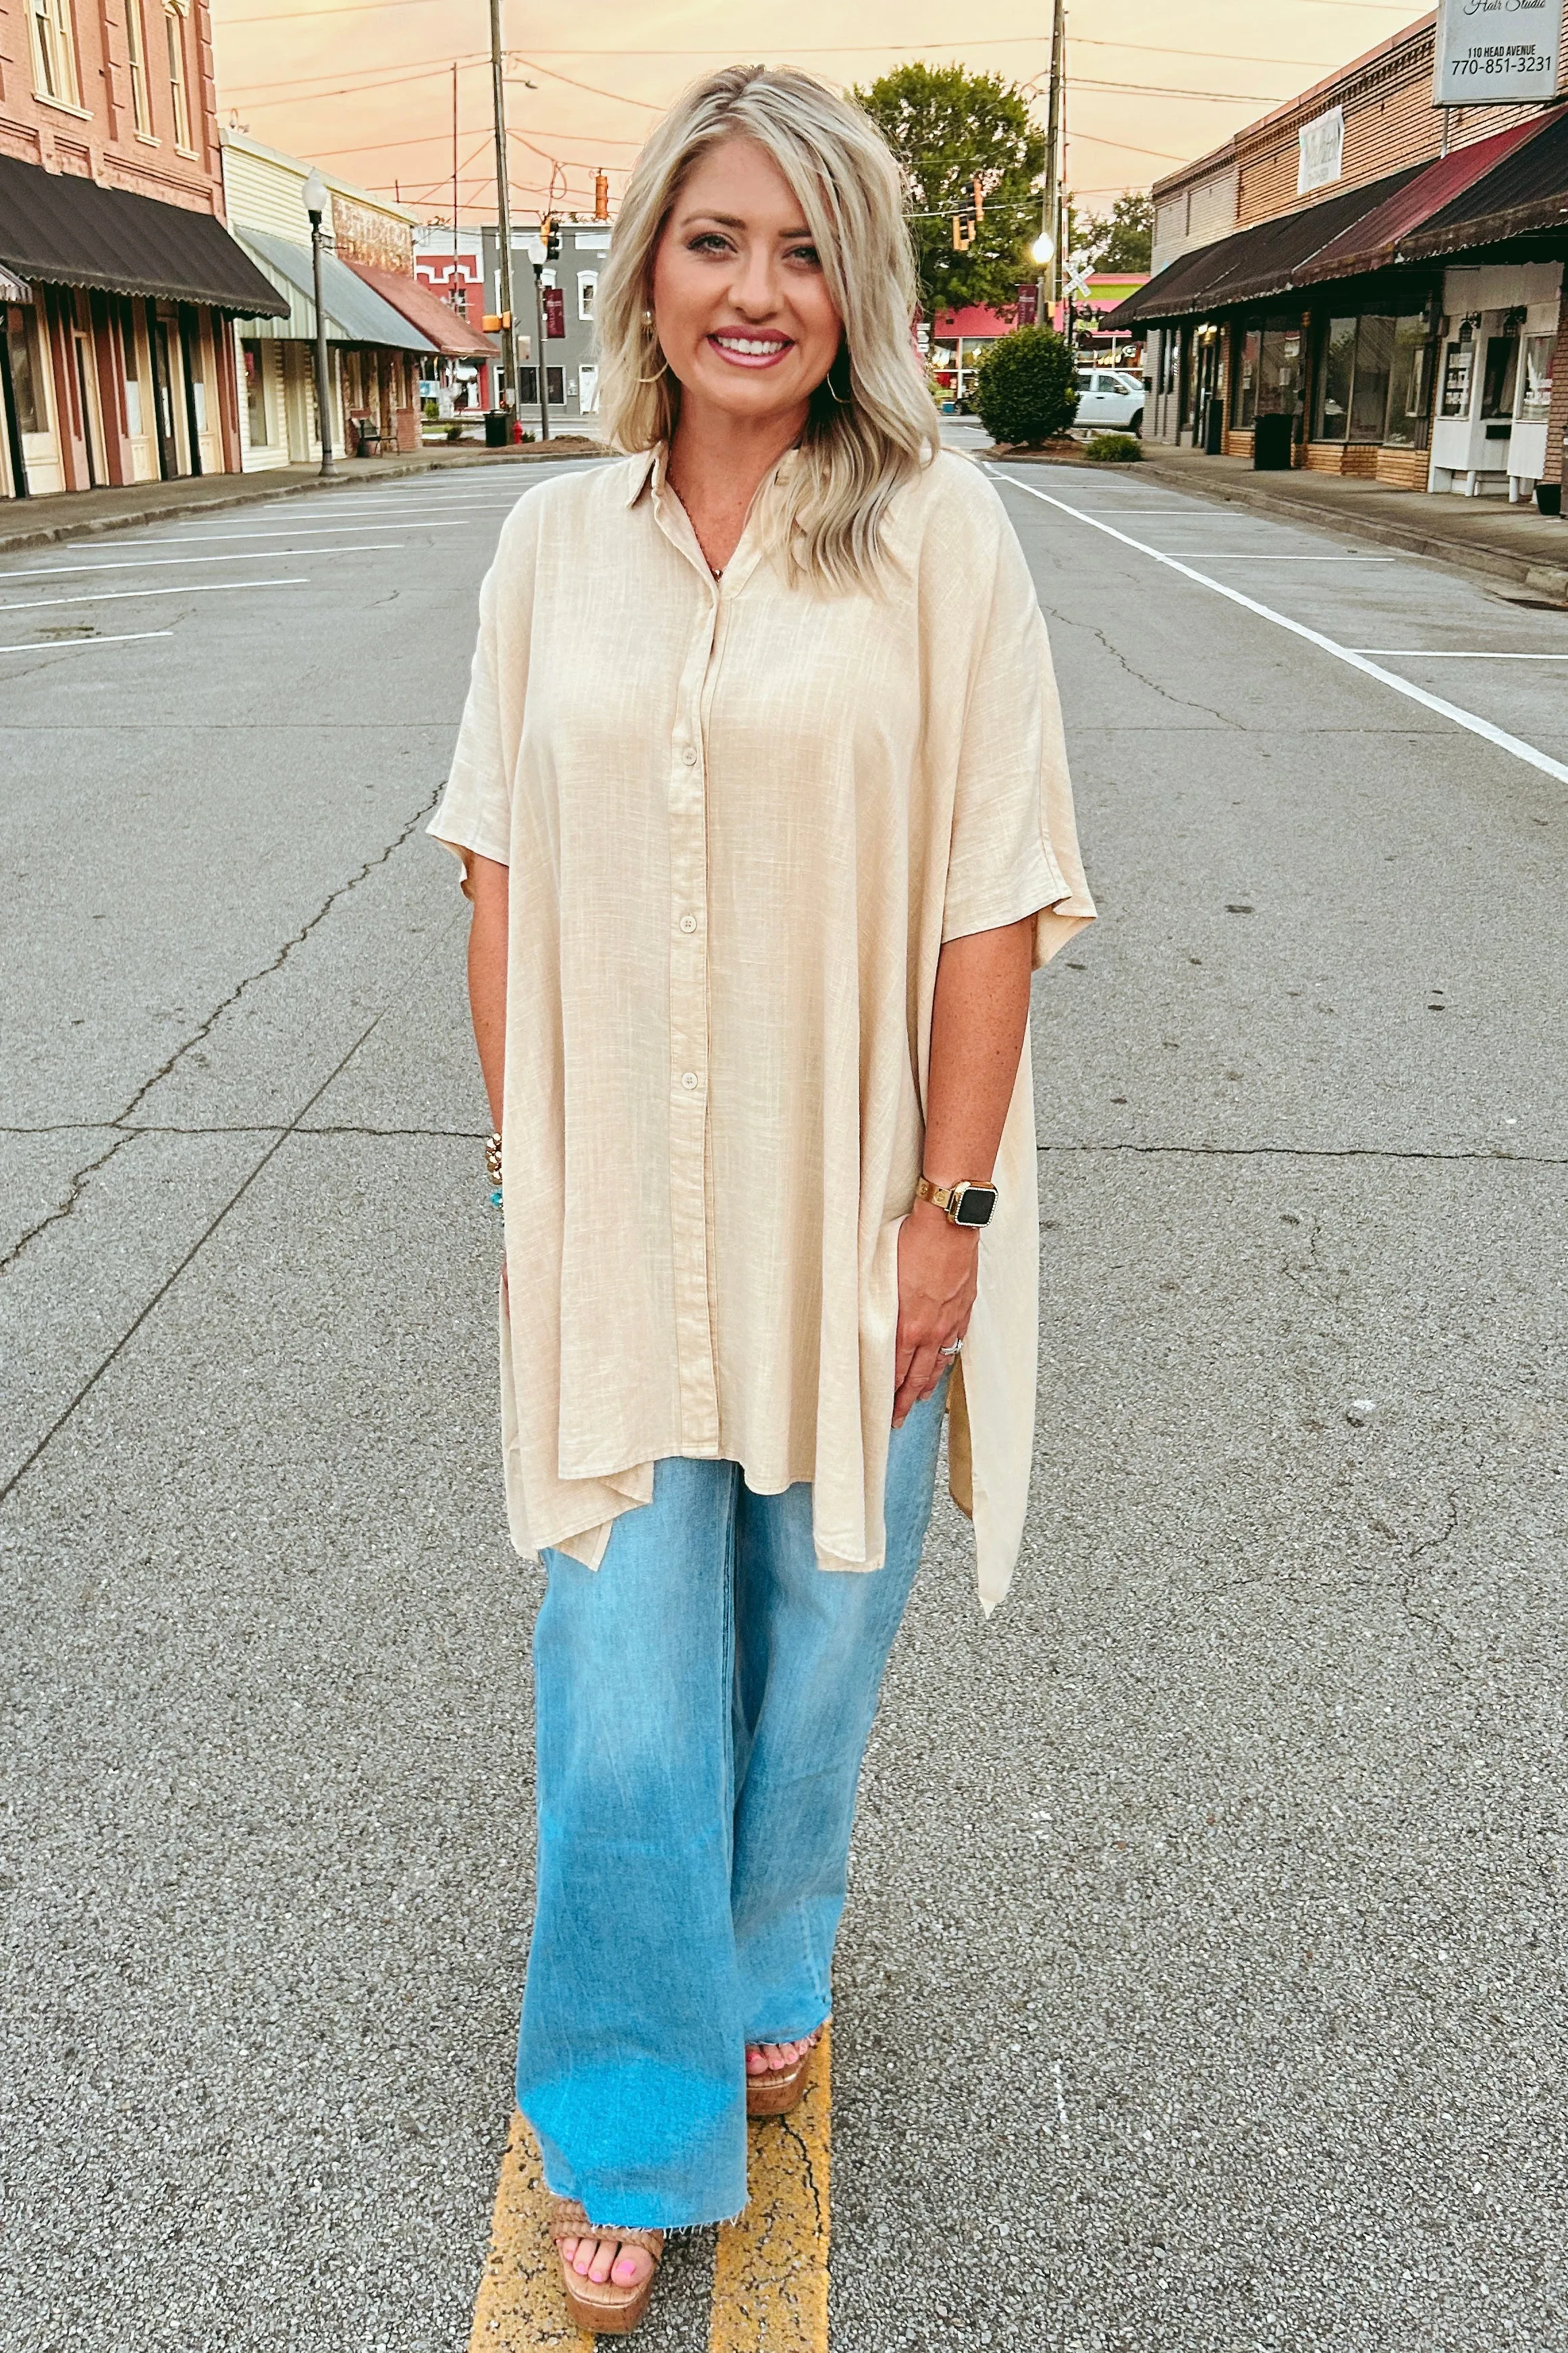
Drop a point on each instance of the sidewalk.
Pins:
(1486, 535)
(77, 514)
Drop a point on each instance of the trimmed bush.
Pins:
(1025, 390)
(1114, 449)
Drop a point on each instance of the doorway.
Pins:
(92, 416)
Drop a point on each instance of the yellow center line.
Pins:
(770, 2273)
(770, 2270)
(522, 2305)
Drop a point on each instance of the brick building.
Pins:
(1382, 275)
(117, 276)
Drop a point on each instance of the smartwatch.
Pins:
(960, 1205)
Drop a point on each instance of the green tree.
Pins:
(946, 127)
(1025, 389)
(1123, 237)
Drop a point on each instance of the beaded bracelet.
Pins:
(492, 1167)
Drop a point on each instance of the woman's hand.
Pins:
(937, 1268)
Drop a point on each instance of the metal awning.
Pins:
(1255, 264)
(1524, 194)
(14, 290)
(1381, 239)
(355, 313)
(447, 329)
(63, 231)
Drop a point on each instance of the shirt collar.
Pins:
(645, 463)
(653, 464)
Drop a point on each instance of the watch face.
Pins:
(974, 1206)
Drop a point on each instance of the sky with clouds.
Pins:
(367, 87)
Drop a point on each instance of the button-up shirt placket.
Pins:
(689, 1042)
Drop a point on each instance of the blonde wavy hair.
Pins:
(871, 425)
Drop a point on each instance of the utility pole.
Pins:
(503, 220)
(1048, 250)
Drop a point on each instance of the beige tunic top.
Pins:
(741, 820)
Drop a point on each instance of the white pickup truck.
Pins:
(1109, 400)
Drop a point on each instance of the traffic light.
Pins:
(550, 235)
(963, 227)
(979, 197)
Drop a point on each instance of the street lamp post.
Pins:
(316, 206)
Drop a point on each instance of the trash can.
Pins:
(1214, 427)
(498, 428)
(1549, 498)
(1271, 438)
(369, 438)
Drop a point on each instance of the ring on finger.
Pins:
(954, 1349)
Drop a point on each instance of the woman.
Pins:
(765, 815)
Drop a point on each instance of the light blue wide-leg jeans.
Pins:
(703, 1700)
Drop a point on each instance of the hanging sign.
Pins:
(1322, 147)
(1496, 52)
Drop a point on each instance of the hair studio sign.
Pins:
(1496, 52)
(1321, 144)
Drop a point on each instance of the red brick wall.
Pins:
(101, 141)
(1557, 420)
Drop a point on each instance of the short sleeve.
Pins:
(1014, 848)
(475, 811)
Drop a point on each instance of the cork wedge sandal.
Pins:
(602, 2308)
(783, 2088)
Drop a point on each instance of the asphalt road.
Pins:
(1202, 1989)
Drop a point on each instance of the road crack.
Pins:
(78, 1184)
(1183, 701)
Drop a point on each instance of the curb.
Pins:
(262, 490)
(1549, 582)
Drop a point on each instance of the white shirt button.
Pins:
(689, 1080)
(688, 923)
(690, 756)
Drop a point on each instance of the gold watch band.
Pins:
(940, 1197)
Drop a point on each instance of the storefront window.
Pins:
(1407, 383)
(1369, 396)
(1373, 381)
(1244, 391)
(255, 394)
(1339, 374)
(1458, 362)
(1535, 404)
(1280, 370)
(1501, 373)
(134, 425)
(22, 343)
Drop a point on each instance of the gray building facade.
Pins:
(569, 358)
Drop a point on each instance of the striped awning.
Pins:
(58, 230)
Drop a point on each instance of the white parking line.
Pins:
(299, 531)
(1470, 720)
(116, 595)
(166, 563)
(75, 645)
(1445, 653)
(1223, 555)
